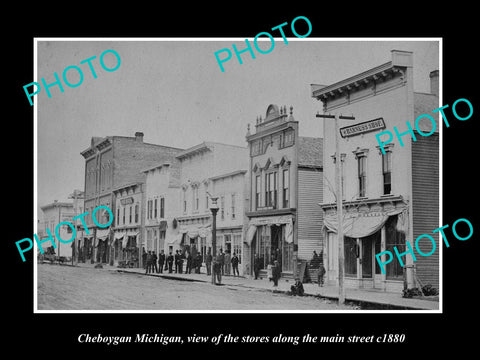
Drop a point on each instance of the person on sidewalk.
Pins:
(198, 263)
(144, 258)
(188, 270)
(180, 262)
(235, 264)
(321, 273)
(208, 262)
(221, 261)
(297, 288)
(161, 261)
(154, 267)
(228, 259)
(170, 260)
(177, 261)
(148, 262)
(217, 269)
(256, 266)
(276, 272)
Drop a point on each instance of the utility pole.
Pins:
(339, 198)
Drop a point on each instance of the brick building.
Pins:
(111, 163)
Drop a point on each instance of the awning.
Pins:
(289, 232)
(359, 225)
(132, 232)
(102, 234)
(175, 238)
(193, 231)
(119, 235)
(252, 229)
(271, 220)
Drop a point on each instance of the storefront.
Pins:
(102, 238)
(125, 247)
(195, 238)
(272, 239)
(368, 230)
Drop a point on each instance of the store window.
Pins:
(351, 253)
(394, 238)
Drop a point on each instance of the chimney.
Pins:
(139, 136)
(434, 86)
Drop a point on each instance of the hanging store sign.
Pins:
(362, 128)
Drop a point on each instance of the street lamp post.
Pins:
(214, 210)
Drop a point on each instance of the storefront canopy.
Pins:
(195, 230)
(175, 238)
(269, 221)
(361, 225)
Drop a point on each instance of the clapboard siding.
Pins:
(309, 213)
(425, 203)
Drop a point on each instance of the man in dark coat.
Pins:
(276, 271)
(208, 263)
(177, 261)
(144, 259)
(188, 269)
(235, 264)
(149, 263)
(256, 266)
(161, 261)
(221, 260)
(198, 263)
(154, 267)
(170, 260)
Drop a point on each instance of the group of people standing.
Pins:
(224, 263)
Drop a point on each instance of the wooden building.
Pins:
(389, 198)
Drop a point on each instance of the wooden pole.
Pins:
(338, 183)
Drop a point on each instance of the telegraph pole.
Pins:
(339, 198)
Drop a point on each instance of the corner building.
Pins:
(286, 177)
(388, 199)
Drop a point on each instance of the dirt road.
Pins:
(77, 288)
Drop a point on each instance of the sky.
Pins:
(175, 93)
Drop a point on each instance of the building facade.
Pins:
(232, 192)
(127, 225)
(111, 163)
(161, 206)
(286, 185)
(388, 198)
(53, 214)
(210, 169)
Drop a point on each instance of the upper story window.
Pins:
(233, 206)
(136, 213)
(256, 147)
(162, 207)
(361, 156)
(270, 189)
(387, 172)
(222, 207)
(362, 175)
(285, 190)
(184, 200)
(386, 168)
(155, 209)
(258, 184)
(287, 138)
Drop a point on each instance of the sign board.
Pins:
(126, 201)
(362, 127)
